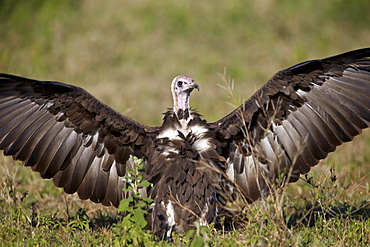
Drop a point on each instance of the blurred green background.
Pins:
(127, 52)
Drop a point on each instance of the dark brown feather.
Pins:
(60, 130)
(307, 109)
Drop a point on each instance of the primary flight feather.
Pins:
(300, 115)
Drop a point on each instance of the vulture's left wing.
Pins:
(296, 119)
(65, 133)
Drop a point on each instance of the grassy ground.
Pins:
(127, 52)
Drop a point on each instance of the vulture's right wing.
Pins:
(300, 115)
(65, 133)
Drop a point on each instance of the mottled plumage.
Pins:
(300, 115)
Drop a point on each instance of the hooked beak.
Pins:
(190, 87)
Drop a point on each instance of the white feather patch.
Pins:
(201, 144)
(203, 219)
(170, 134)
(170, 151)
(170, 212)
(230, 170)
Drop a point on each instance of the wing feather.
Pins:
(50, 157)
(29, 138)
(22, 132)
(64, 133)
(88, 184)
(300, 115)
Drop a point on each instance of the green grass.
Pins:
(127, 52)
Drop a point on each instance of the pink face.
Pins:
(184, 84)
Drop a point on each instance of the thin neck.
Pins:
(181, 101)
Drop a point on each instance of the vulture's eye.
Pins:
(179, 83)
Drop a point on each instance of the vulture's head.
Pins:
(181, 88)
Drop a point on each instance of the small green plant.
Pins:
(200, 236)
(136, 207)
(80, 220)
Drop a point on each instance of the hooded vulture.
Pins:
(300, 115)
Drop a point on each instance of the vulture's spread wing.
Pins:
(296, 119)
(66, 134)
